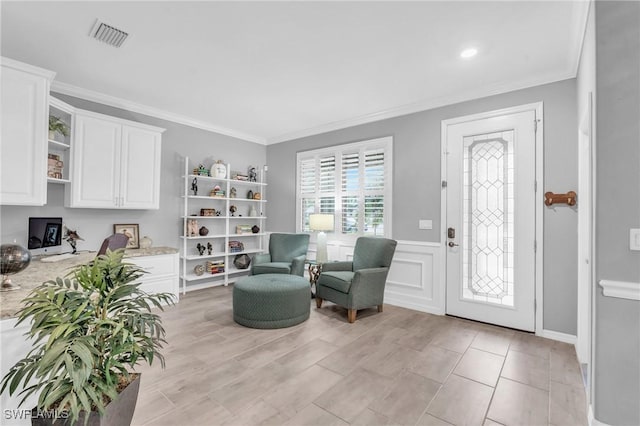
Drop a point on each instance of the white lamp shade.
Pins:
(321, 222)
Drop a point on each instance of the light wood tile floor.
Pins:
(399, 367)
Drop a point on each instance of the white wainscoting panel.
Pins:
(415, 278)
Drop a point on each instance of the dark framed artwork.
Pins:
(131, 230)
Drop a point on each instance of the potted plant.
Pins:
(56, 125)
(90, 329)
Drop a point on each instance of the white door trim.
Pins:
(539, 167)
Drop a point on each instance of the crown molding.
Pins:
(93, 96)
(424, 105)
(31, 69)
(580, 21)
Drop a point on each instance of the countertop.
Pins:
(38, 272)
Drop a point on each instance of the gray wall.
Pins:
(164, 225)
(617, 329)
(416, 181)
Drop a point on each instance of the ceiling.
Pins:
(272, 71)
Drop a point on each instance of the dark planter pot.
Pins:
(117, 413)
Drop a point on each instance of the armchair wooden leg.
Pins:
(318, 302)
(379, 308)
(351, 315)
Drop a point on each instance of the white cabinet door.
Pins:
(116, 163)
(23, 163)
(140, 168)
(96, 163)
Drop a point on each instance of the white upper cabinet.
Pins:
(23, 147)
(116, 163)
(140, 167)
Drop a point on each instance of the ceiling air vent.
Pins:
(108, 34)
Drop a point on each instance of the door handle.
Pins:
(452, 244)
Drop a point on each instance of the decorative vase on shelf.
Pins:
(252, 212)
(219, 170)
(146, 242)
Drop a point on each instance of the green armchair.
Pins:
(287, 254)
(358, 284)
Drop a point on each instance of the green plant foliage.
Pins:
(89, 328)
(57, 125)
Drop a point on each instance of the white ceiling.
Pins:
(271, 71)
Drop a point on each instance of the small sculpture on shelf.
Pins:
(71, 237)
(209, 248)
(192, 228)
(233, 192)
(201, 248)
(250, 195)
(198, 270)
(201, 170)
(233, 209)
(257, 196)
(217, 192)
(203, 231)
(253, 176)
(241, 261)
(255, 229)
(194, 186)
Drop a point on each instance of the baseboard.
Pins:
(561, 337)
(413, 306)
(592, 420)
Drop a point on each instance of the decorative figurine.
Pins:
(209, 248)
(233, 209)
(71, 237)
(192, 228)
(202, 170)
(201, 249)
(194, 186)
(232, 192)
(198, 269)
(253, 176)
(257, 196)
(255, 229)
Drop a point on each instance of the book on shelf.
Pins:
(243, 229)
(215, 266)
(55, 166)
(236, 246)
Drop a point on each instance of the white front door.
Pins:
(490, 219)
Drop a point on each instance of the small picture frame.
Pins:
(131, 230)
(52, 235)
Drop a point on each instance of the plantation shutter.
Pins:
(374, 191)
(349, 182)
(307, 190)
(350, 192)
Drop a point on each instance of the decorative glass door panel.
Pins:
(491, 218)
(487, 227)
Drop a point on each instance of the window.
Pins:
(351, 181)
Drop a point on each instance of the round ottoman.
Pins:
(271, 300)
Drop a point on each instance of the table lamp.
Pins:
(321, 223)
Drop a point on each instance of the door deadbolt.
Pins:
(451, 233)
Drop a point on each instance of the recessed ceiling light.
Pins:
(468, 53)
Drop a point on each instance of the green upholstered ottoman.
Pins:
(271, 300)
